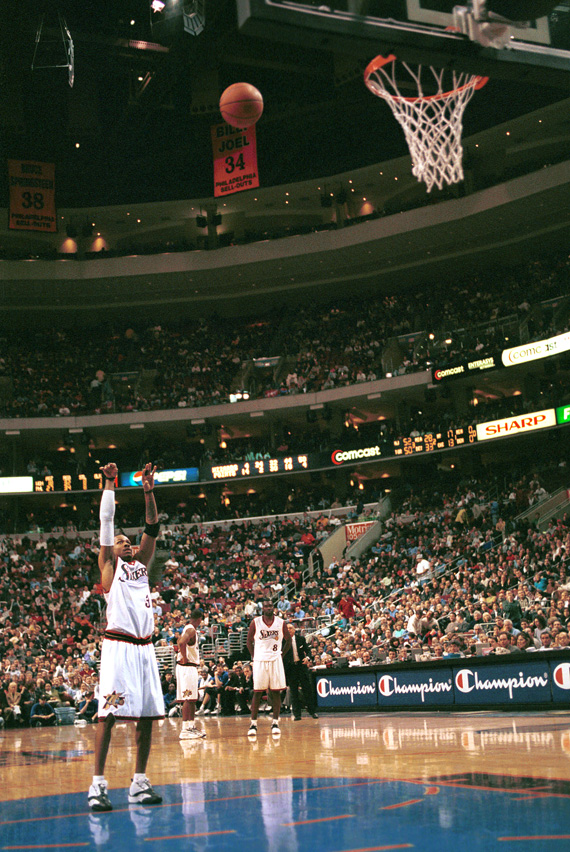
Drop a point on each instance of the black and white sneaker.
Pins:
(141, 793)
(252, 730)
(275, 729)
(192, 734)
(97, 797)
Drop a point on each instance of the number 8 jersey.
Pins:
(268, 639)
(129, 608)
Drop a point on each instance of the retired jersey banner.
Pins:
(32, 196)
(235, 159)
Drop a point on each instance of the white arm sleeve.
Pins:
(107, 516)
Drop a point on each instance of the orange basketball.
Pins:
(241, 105)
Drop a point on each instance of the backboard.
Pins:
(418, 31)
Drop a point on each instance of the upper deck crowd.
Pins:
(57, 373)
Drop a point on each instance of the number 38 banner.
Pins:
(32, 196)
(235, 159)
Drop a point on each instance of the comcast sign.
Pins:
(342, 456)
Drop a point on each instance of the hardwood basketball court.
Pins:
(434, 781)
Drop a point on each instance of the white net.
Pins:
(432, 123)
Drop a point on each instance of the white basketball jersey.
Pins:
(192, 651)
(129, 609)
(268, 640)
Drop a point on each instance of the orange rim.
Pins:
(379, 61)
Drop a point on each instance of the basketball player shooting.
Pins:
(129, 682)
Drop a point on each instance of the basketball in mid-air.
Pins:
(241, 104)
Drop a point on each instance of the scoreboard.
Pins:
(68, 482)
(259, 467)
(435, 441)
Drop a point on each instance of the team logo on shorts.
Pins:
(187, 693)
(115, 699)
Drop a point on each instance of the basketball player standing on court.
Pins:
(187, 663)
(129, 682)
(268, 639)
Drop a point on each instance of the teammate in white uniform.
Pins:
(268, 640)
(187, 664)
(129, 682)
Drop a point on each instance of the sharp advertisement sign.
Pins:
(519, 425)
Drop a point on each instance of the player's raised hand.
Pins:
(110, 471)
(148, 476)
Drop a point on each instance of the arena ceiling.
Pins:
(145, 94)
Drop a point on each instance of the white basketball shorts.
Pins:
(129, 682)
(269, 674)
(186, 683)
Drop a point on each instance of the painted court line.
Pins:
(321, 819)
(402, 804)
(539, 837)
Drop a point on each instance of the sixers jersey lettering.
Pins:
(268, 639)
(129, 608)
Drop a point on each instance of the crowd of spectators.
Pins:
(335, 345)
(453, 573)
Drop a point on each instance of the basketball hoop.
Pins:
(432, 123)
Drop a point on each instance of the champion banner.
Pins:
(235, 159)
(32, 196)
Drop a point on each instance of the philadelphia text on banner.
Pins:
(32, 196)
(235, 159)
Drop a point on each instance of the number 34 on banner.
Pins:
(235, 159)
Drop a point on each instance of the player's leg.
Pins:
(143, 741)
(255, 702)
(97, 797)
(275, 701)
(102, 742)
(189, 730)
(140, 791)
(277, 684)
(111, 691)
(152, 707)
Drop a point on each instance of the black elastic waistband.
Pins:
(178, 663)
(126, 637)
